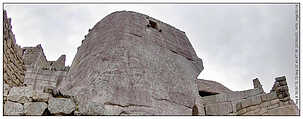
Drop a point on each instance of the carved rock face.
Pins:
(135, 69)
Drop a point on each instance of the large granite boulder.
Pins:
(34, 108)
(13, 109)
(20, 94)
(61, 106)
(134, 64)
(40, 96)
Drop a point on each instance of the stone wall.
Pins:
(225, 103)
(25, 100)
(13, 65)
(28, 76)
(43, 78)
(34, 57)
(41, 73)
(267, 104)
(250, 102)
(277, 102)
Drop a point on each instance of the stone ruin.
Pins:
(128, 64)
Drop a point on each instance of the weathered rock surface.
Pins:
(250, 102)
(20, 94)
(61, 106)
(285, 110)
(130, 59)
(219, 108)
(91, 108)
(13, 109)
(34, 108)
(211, 86)
(40, 96)
(6, 89)
(40, 72)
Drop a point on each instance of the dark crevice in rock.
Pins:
(190, 59)
(204, 106)
(161, 99)
(46, 113)
(57, 94)
(124, 112)
(205, 93)
(135, 34)
(128, 105)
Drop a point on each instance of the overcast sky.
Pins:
(237, 43)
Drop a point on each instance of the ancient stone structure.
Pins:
(250, 102)
(13, 65)
(26, 74)
(128, 64)
(207, 87)
(134, 64)
(41, 73)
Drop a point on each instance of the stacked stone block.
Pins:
(257, 84)
(43, 78)
(13, 65)
(26, 101)
(213, 104)
(252, 102)
(266, 105)
(277, 102)
(40, 72)
(281, 88)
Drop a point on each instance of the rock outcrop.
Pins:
(135, 64)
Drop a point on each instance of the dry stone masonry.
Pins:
(41, 73)
(277, 102)
(13, 65)
(27, 76)
(128, 64)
